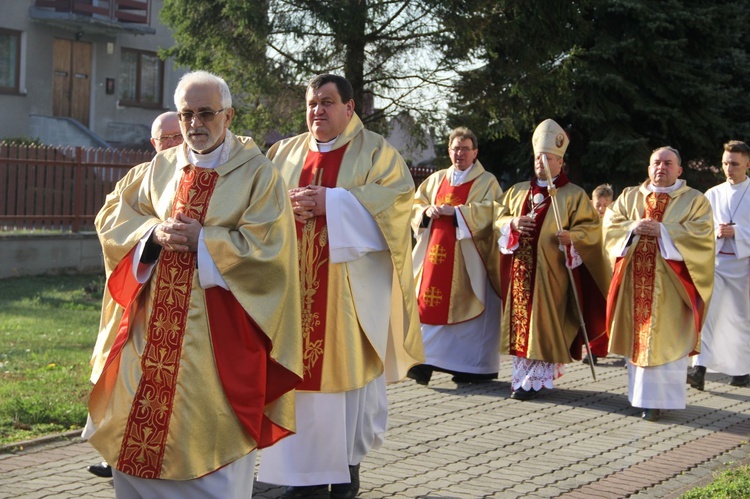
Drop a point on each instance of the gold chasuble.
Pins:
(446, 277)
(191, 379)
(436, 292)
(656, 307)
(349, 341)
(540, 319)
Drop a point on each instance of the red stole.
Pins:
(522, 269)
(644, 272)
(146, 431)
(312, 245)
(434, 298)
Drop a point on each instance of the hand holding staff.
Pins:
(553, 200)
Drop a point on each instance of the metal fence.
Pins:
(420, 173)
(58, 188)
(63, 188)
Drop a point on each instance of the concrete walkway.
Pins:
(449, 441)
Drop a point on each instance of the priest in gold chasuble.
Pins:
(351, 194)
(540, 321)
(661, 236)
(199, 371)
(456, 267)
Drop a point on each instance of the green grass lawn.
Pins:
(733, 483)
(48, 327)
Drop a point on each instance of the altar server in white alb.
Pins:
(725, 338)
(455, 259)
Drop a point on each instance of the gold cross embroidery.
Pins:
(433, 297)
(437, 254)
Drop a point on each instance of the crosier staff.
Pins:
(553, 200)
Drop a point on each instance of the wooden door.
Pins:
(71, 91)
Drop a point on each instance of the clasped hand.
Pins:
(308, 202)
(444, 210)
(180, 234)
(725, 230)
(647, 227)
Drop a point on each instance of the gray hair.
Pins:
(670, 149)
(204, 77)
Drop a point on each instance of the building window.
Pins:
(10, 61)
(141, 78)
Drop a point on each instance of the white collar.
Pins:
(459, 176)
(325, 146)
(213, 159)
(651, 187)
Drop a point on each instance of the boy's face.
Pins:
(601, 203)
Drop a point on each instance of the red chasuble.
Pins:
(320, 168)
(434, 298)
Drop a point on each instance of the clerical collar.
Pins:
(651, 187)
(211, 159)
(459, 176)
(325, 146)
(543, 183)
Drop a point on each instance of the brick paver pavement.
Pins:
(449, 441)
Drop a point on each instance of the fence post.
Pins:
(78, 188)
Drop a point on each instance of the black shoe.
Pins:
(305, 492)
(421, 373)
(347, 490)
(473, 378)
(651, 414)
(592, 357)
(523, 394)
(743, 380)
(102, 470)
(696, 377)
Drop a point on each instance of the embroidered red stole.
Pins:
(146, 431)
(312, 246)
(522, 269)
(434, 298)
(644, 272)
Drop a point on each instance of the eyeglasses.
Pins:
(169, 138)
(203, 116)
(461, 149)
